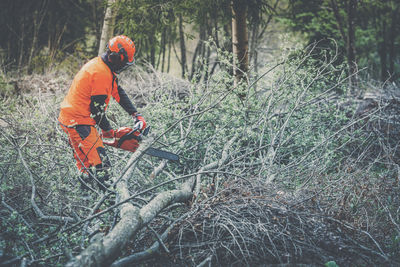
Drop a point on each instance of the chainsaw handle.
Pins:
(140, 136)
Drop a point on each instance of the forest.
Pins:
(285, 116)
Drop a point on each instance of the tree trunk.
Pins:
(349, 39)
(152, 45)
(351, 46)
(207, 54)
(183, 47)
(338, 20)
(198, 53)
(216, 38)
(240, 42)
(227, 38)
(37, 23)
(195, 55)
(253, 48)
(36, 26)
(108, 25)
(163, 48)
(21, 46)
(169, 55)
(383, 52)
(96, 23)
(392, 51)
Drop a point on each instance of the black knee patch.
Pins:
(83, 131)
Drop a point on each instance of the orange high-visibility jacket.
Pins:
(95, 79)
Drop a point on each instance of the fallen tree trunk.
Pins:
(105, 250)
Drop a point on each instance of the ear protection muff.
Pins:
(118, 59)
(114, 57)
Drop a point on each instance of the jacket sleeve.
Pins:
(97, 109)
(122, 98)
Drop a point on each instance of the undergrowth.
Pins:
(299, 154)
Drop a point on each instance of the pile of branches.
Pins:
(249, 225)
(384, 105)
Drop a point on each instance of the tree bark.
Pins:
(198, 52)
(38, 17)
(108, 25)
(392, 51)
(96, 23)
(163, 46)
(253, 48)
(351, 43)
(169, 55)
(152, 45)
(240, 42)
(207, 55)
(182, 45)
(383, 52)
(338, 19)
(348, 38)
(195, 55)
(21, 46)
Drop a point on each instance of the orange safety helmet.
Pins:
(120, 52)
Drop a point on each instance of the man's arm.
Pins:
(124, 101)
(97, 109)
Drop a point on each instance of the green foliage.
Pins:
(13, 232)
(374, 24)
(28, 124)
(6, 89)
(313, 18)
(38, 32)
(331, 264)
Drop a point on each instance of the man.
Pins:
(86, 102)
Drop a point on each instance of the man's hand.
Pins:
(108, 134)
(140, 123)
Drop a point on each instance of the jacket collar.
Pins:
(105, 60)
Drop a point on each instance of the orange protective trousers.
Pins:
(87, 145)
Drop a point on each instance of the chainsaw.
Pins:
(128, 139)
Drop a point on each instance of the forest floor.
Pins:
(274, 186)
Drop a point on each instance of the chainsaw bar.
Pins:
(161, 154)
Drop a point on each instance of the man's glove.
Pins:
(140, 123)
(108, 134)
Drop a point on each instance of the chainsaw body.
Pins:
(128, 139)
(125, 138)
